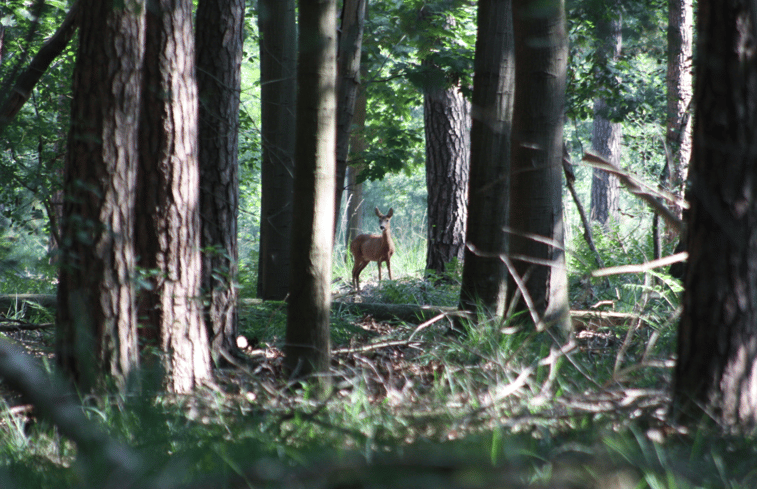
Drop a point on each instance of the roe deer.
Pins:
(366, 248)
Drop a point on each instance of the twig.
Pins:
(569, 178)
(643, 267)
(377, 346)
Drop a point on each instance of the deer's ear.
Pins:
(391, 211)
(378, 212)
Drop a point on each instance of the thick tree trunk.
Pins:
(219, 63)
(168, 217)
(541, 51)
(308, 348)
(96, 318)
(278, 66)
(679, 91)
(484, 273)
(446, 117)
(717, 339)
(350, 47)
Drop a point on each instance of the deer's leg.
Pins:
(379, 267)
(356, 270)
(389, 267)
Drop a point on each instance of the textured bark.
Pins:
(485, 277)
(541, 51)
(606, 136)
(168, 217)
(219, 63)
(355, 189)
(96, 318)
(350, 47)
(679, 91)
(717, 339)
(278, 51)
(307, 348)
(446, 115)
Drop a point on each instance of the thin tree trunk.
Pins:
(679, 91)
(219, 63)
(484, 274)
(541, 51)
(96, 318)
(308, 349)
(605, 188)
(278, 66)
(38, 66)
(355, 189)
(168, 217)
(350, 47)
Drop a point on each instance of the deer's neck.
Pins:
(386, 237)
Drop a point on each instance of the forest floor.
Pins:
(414, 404)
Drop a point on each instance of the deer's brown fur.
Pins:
(366, 248)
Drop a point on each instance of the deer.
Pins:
(366, 248)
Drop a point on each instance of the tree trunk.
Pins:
(96, 318)
(168, 217)
(350, 47)
(605, 188)
(541, 51)
(484, 274)
(355, 189)
(219, 62)
(445, 113)
(679, 91)
(717, 339)
(606, 136)
(278, 51)
(307, 348)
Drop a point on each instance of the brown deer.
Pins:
(366, 248)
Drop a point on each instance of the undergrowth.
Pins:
(495, 404)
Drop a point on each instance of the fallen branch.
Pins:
(19, 325)
(104, 456)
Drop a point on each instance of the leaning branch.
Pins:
(644, 192)
(45, 56)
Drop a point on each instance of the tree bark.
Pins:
(96, 319)
(168, 217)
(355, 189)
(606, 136)
(717, 339)
(278, 66)
(541, 51)
(350, 48)
(219, 63)
(485, 277)
(445, 113)
(307, 348)
(679, 91)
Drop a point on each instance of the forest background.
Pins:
(536, 411)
